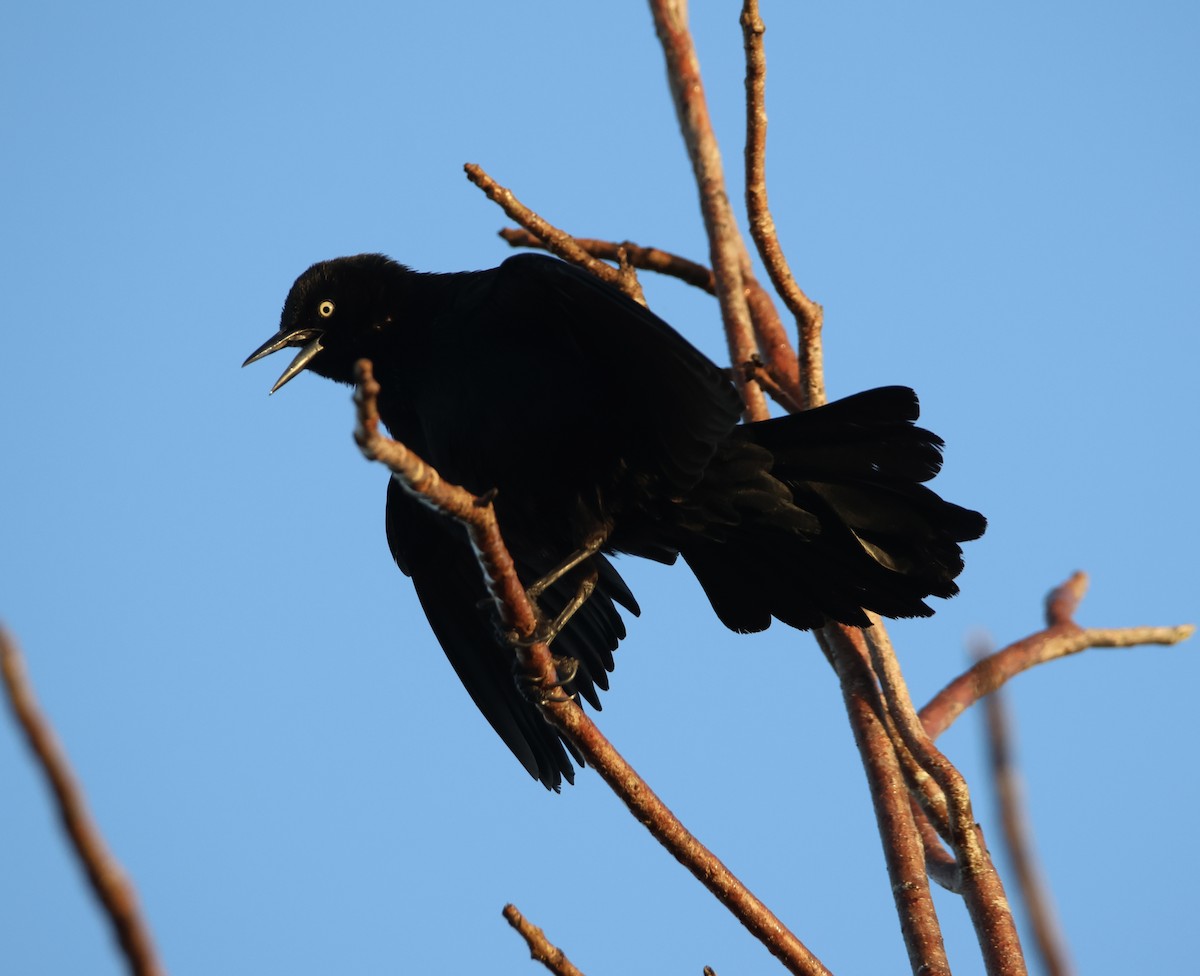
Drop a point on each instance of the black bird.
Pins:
(592, 419)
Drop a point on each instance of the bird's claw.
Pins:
(536, 691)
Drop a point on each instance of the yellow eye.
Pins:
(325, 309)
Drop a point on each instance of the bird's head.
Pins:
(335, 314)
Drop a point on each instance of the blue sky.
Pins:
(996, 207)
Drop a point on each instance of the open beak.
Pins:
(308, 339)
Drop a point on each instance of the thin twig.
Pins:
(757, 370)
(1062, 638)
(541, 949)
(687, 90)
(777, 349)
(627, 275)
(939, 862)
(645, 258)
(557, 241)
(109, 882)
(809, 315)
(1047, 934)
(982, 889)
(479, 520)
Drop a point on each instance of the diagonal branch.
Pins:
(541, 949)
(557, 241)
(478, 517)
(110, 884)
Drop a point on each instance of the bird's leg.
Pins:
(565, 667)
(582, 592)
(547, 630)
(590, 547)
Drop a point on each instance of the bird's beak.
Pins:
(308, 339)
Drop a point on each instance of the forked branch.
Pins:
(557, 241)
(1061, 637)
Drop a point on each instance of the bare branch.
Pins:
(687, 89)
(809, 315)
(1061, 639)
(109, 882)
(541, 949)
(646, 258)
(479, 520)
(557, 241)
(773, 341)
(1047, 935)
(903, 849)
(939, 862)
(982, 888)
(628, 276)
(758, 371)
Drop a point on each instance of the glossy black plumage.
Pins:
(588, 413)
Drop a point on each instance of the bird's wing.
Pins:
(435, 553)
(677, 401)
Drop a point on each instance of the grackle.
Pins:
(593, 421)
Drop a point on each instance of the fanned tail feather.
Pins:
(818, 515)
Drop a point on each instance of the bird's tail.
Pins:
(818, 515)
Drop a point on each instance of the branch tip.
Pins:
(1064, 600)
(541, 949)
(557, 241)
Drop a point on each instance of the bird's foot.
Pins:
(565, 666)
(565, 669)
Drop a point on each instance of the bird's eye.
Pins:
(325, 309)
